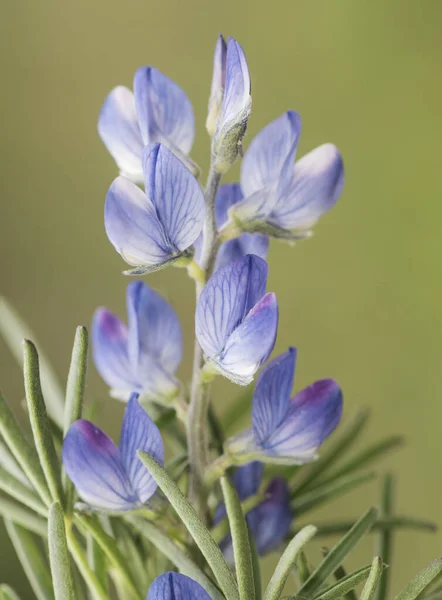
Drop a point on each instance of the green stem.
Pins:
(196, 430)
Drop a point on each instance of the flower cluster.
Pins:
(222, 237)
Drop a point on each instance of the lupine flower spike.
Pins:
(236, 321)
(287, 430)
(143, 356)
(157, 111)
(158, 227)
(110, 478)
(270, 521)
(284, 198)
(174, 586)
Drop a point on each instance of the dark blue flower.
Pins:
(107, 477)
(157, 111)
(236, 321)
(153, 228)
(143, 356)
(270, 521)
(279, 193)
(284, 429)
(174, 586)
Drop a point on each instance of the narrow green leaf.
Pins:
(287, 562)
(22, 451)
(59, 555)
(133, 551)
(31, 559)
(7, 593)
(180, 559)
(385, 537)
(110, 548)
(91, 580)
(22, 493)
(303, 569)
(367, 456)
(344, 586)
(14, 330)
(216, 430)
(369, 591)
(74, 399)
(97, 561)
(195, 526)
(177, 465)
(396, 522)
(337, 554)
(221, 529)
(41, 427)
(256, 566)
(348, 435)
(339, 574)
(9, 463)
(422, 580)
(22, 516)
(240, 540)
(324, 493)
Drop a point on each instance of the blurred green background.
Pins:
(361, 300)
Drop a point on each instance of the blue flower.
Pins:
(288, 430)
(247, 243)
(174, 586)
(233, 116)
(157, 111)
(143, 356)
(236, 321)
(218, 85)
(270, 521)
(154, 228)
(110, 478)
(280, 195)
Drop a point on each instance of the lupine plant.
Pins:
(188, 502)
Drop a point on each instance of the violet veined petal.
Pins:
(164, 111)
(252, 342)
(270, 157)
(228, 195)
(271, 397)
(312, 416)
(133, 227)
(93, 463)
(218, 84)
(226, 300)
(110, 350)
(139, 432)
(314, 189)
(176, 195)
(174, 586)
(118, 128)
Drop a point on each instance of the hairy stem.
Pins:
(197, 438)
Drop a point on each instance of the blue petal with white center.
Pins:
(144, 356)
(174, 586)
(231, 309)
(258, 244)
(108, 478)
(164, 111)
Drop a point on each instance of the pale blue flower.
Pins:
(280, 194)
(157, 111)
(174, 586)
(152, 228)
(236, 321)
(110, 478)
(218, 85)
(284, 429)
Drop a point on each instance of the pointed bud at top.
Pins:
(232, 121)
(218, 85)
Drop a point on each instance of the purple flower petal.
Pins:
(271, 397)
(252, 342)
(133, 227)
(247, 243)
(139, 432)
(313, 190)
(247, 479)
(270, 156)
(110, 350)
(228, 195)
(312, 416)
(93, 463)
(118, 128)
(226, 300)
(174, 586)
(218, 83)
(176, 195)
(164, 111)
